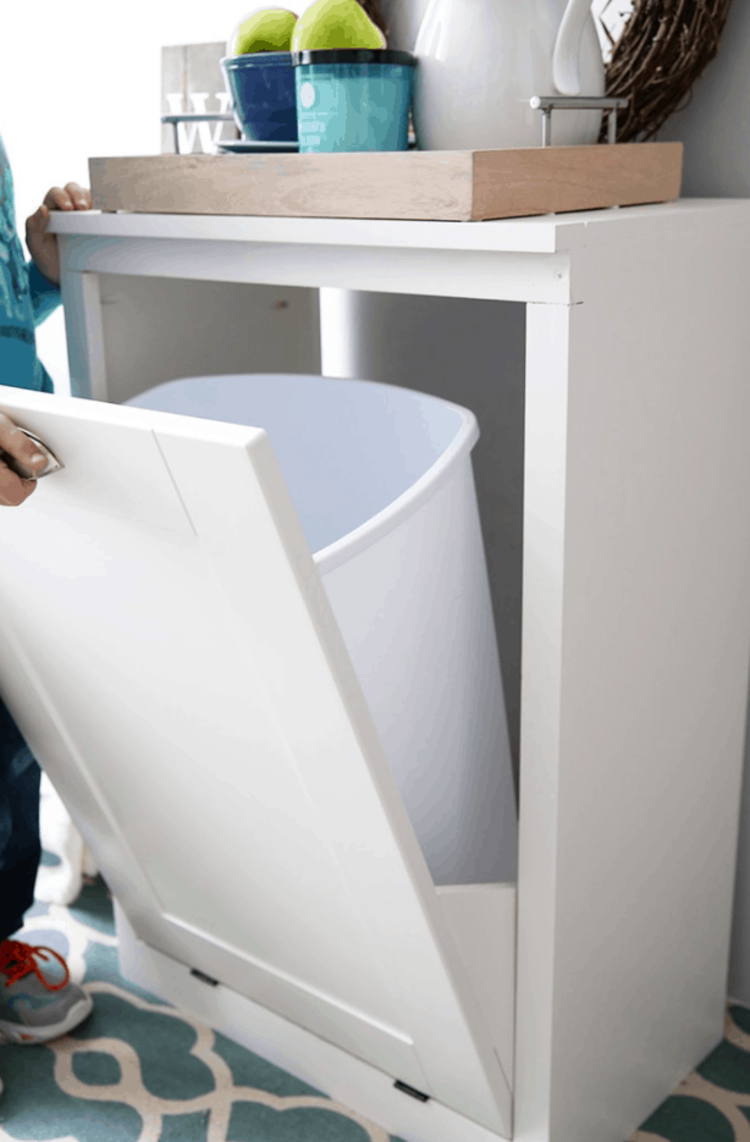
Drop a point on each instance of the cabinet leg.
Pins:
(83, 322)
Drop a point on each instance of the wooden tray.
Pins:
(440, 185)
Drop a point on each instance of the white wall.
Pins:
(83, 80)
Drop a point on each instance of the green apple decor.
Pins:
(269, 30)
(336, 24)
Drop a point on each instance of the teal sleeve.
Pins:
(45, 296)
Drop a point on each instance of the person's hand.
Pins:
(42, 245)
(13, 489)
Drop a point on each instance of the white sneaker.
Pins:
(37, 1000)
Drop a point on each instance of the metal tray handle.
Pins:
(549, 103)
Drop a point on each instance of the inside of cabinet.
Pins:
(468, 351)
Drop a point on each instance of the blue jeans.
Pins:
(20, 848)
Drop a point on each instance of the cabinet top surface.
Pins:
(544, 234)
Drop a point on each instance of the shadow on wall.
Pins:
(715, 125)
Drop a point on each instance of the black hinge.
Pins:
(201, 975)
(411, 1091)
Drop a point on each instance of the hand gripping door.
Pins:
(167, 648)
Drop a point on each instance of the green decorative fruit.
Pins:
(269, 30)
(331, 24)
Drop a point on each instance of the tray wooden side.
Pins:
(352, 185)
(552, 180)
(419, 185)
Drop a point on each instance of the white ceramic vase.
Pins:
(481, 61)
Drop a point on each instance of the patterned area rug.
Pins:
(713, 1103)
(139, 1071)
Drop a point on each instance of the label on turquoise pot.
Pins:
(353, 107)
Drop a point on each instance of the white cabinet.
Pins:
(636, 637)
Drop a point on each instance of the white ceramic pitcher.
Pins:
(481, 61)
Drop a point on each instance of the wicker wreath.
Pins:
(664, 47)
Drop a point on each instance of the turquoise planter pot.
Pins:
(353, 100)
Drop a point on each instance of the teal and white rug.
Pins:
(139, 1071)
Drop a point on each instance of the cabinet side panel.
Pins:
(653, 639)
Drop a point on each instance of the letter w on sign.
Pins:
(207, 133)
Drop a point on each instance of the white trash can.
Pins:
(382, 482)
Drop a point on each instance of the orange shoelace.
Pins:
(18, 960)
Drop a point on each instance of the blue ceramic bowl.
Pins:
(261, 87)
(354, 100)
